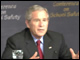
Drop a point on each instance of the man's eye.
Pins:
(44, 20)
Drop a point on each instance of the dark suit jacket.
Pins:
(24, 41)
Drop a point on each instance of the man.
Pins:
(52, 44)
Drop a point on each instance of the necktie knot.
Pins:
(38, 42)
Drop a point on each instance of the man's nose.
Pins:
(41, 23)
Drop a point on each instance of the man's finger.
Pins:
(72, 51)
(35, 54)
(37, 57)
(78, 53)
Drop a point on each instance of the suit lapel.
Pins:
(30, 44)
(47, 53)
(49, 48)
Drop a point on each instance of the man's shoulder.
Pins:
(53, 32)
(54, 36)
(19, 34)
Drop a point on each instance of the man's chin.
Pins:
(41, 34)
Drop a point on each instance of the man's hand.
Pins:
(74, 56)
(35, 56)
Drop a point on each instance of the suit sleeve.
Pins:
(7, 54)
(64, 50)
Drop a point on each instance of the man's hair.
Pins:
(28, 15)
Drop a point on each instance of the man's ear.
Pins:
(27, 23)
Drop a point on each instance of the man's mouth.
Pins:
(40, 30)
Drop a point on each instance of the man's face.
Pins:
(38, 24)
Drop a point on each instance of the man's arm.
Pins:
(7, 54)
(64, 50)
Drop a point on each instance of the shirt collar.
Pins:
(35, 40)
